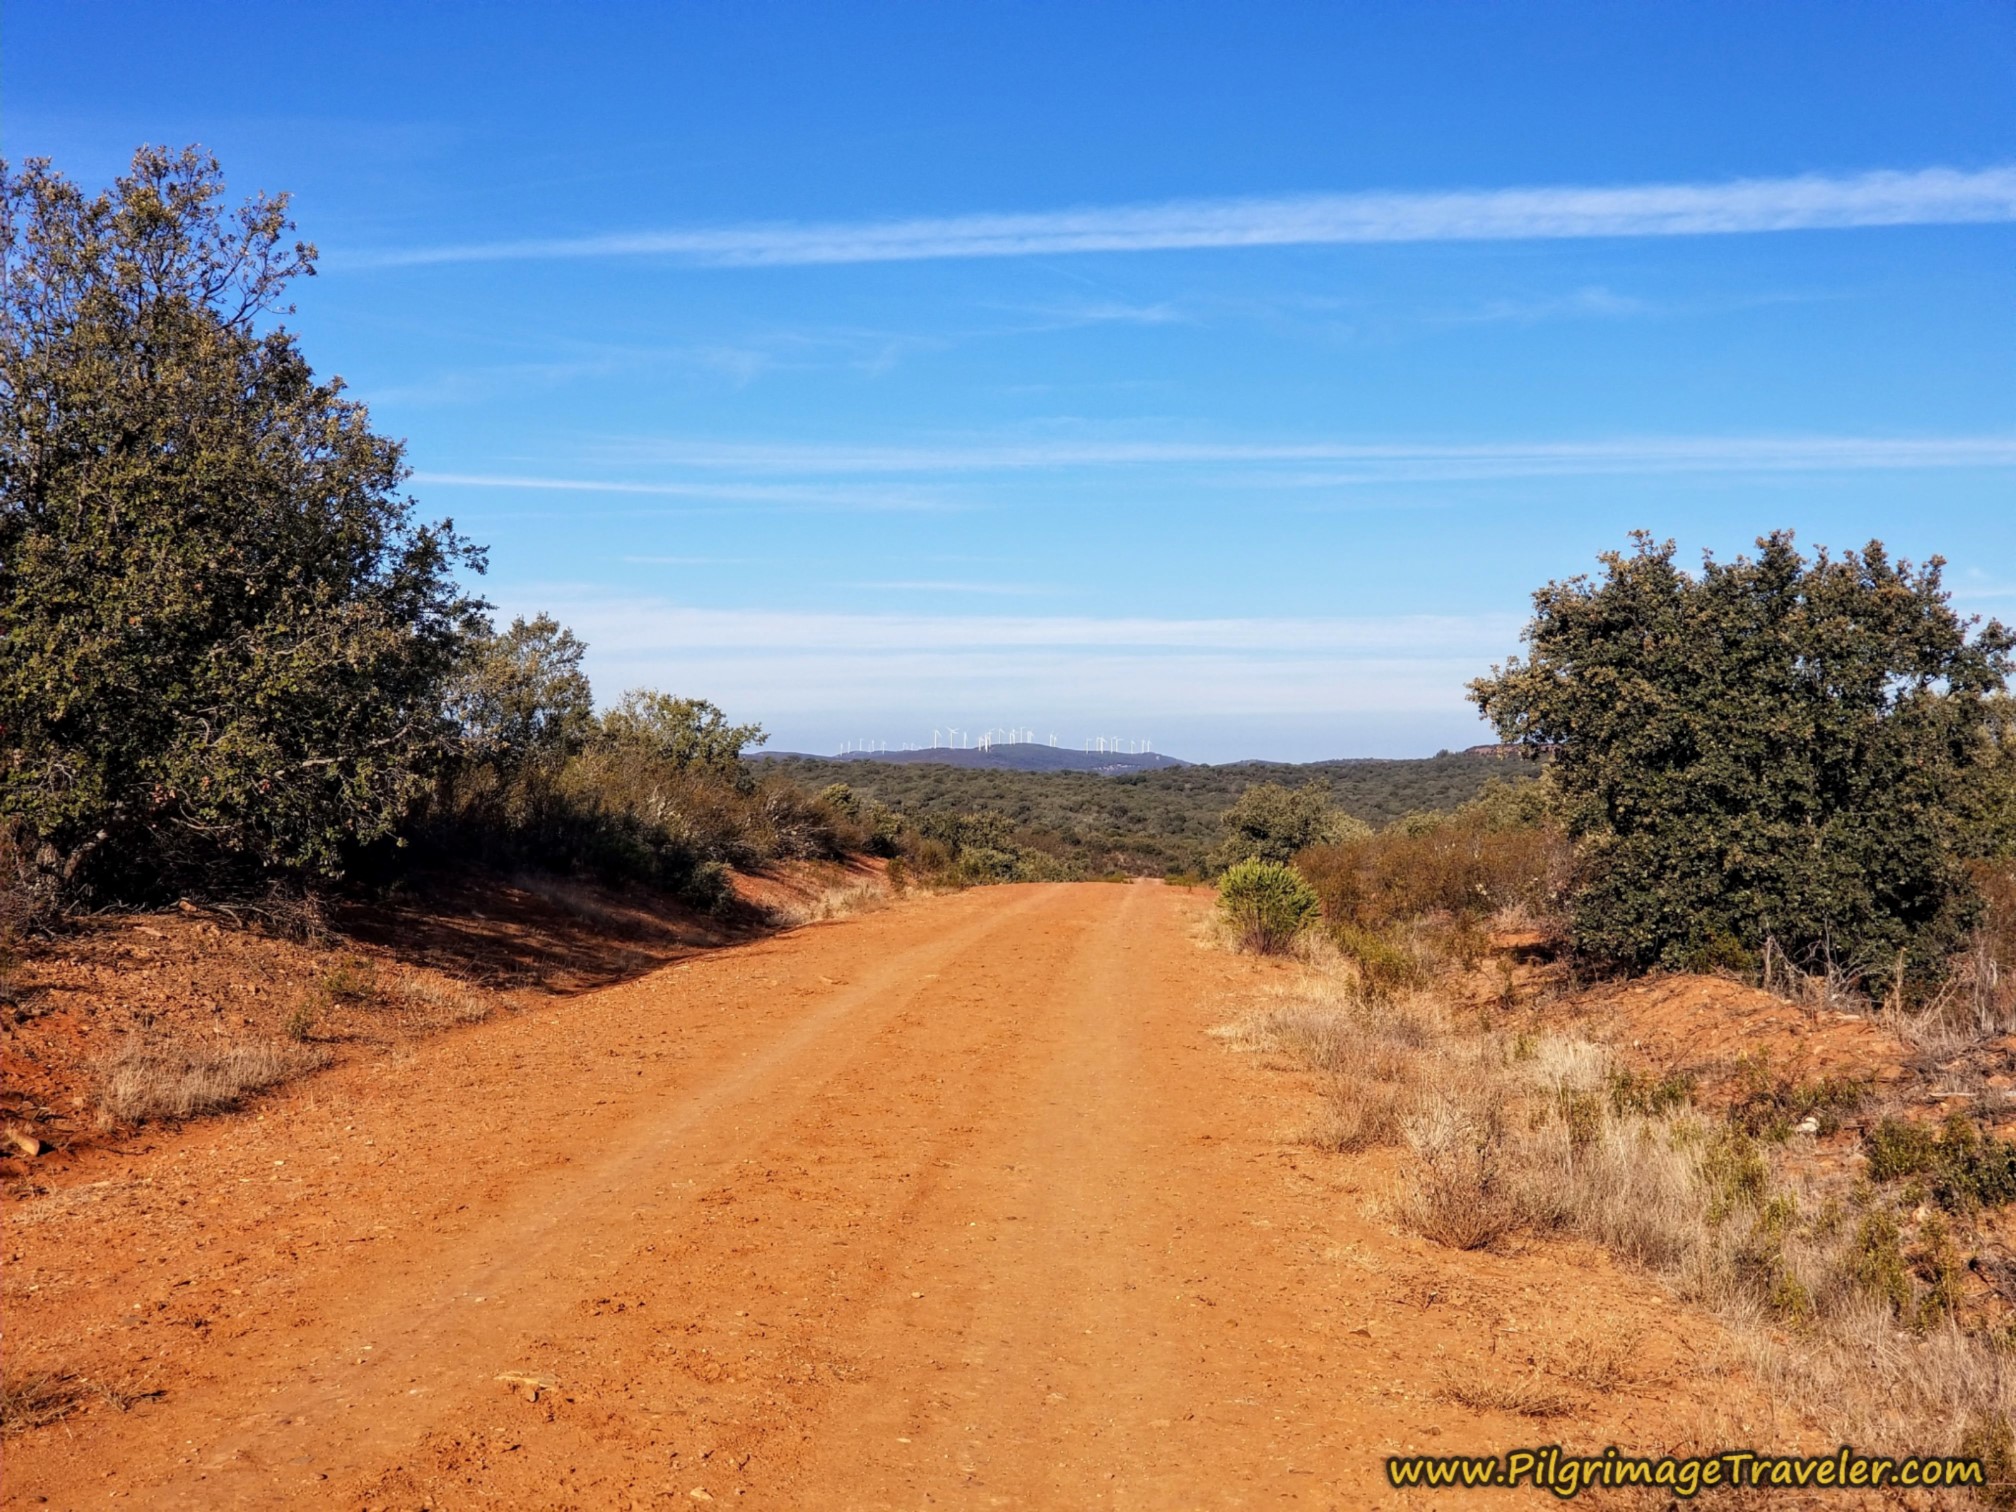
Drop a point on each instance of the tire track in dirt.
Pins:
(954, 1204)
(321, 1404)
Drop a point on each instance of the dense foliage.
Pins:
(653, 790)
(226, 637)
(1777, 749)
(1271, 822)
(1499, 851)
(1163, 821)
(1267, 904)
(233, 658)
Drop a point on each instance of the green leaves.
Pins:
(226, 638)
(1775, 749)
(1267, 904)
(1272, 822)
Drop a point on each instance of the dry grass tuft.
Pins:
(186, 1079)
(1523, 1396)
(35, 1401)
(45, 1397)
(1461, 1190)
(1366, 1048)
(1845, 1295)
(1359, 1113)
(834, 903)
(432, 1003)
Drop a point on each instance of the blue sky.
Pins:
(1223, 375)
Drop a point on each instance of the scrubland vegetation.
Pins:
(237, 661)
(1793, 773)
(1167, 822)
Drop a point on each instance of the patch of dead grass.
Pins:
(40, 1398)
(177, 1079)
(432, 1003)
(834, 903)
(1825, 1284)
(1531, 1395)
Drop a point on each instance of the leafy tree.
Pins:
(1270, 822)
(683, 733)
(225, 634)
(1993, 806)
(522, 695)
(1775, 749)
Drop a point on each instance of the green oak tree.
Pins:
(1774, 749)
(226, 637)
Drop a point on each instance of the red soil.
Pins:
(954, 1203)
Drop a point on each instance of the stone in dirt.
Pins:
(529, 1386)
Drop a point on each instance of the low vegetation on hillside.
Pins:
(1167, 822)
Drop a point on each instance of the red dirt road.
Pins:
(955, 1204)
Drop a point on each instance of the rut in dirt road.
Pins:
(957, 1202)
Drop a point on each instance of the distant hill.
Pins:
(1150, 819)
(1024, 756)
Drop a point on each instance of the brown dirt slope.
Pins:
(352, 981)
(957, 1203)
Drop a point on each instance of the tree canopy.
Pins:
(226, 634)
(1774, 749)
(1273, 822)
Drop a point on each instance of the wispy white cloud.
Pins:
(787, 664)
(1592, 302)
(781, 495)
(1370, 459)
(638, 624)
(942, 585)
(791, 476)
(1926, 196)
(687, 561)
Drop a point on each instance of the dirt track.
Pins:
(955, 1203)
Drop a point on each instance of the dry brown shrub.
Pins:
(36, 1400)
(175, 1079)
(1462, 1191)
(1524, 1396)
(1470, 863)
(1360, 1113)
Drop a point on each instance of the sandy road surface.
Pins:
(952, 1204)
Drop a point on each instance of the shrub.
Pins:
(1497, 851)
(1772, 1104)
(227, 636)
(1773, 749)
(1267, 904)
(1647, 1095)
(1874, 1263)
(1270, 822)
(655, 791)
(1385, 965)
(1966, 1168)
(967, 850)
